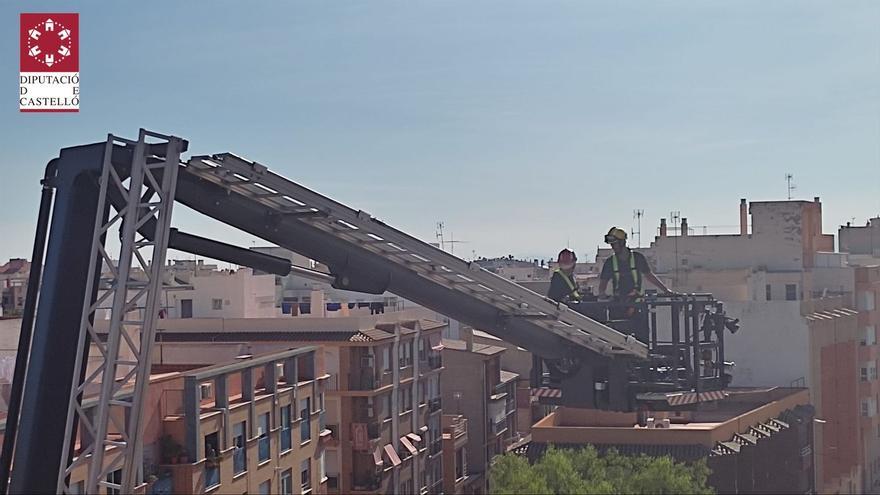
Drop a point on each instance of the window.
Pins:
(263, 435)
(287, 482)
(266, 487)
(405, 399)
(114, 477)
(239, 448)
(865, 301)
(212, 464)
(406, 354)
(305, 475)
(305, 413)
(869, 407)
(286, 436)
(423, 350)
(791, 292)
(216, 304)
(322, 467)
(768, 293)
(186, 308)
(386, 358)
(864, 374)
(869, 335)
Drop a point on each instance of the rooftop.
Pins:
(484, 349)
(741, 410)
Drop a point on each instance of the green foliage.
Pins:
(583, 471)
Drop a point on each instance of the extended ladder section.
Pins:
(359, 230)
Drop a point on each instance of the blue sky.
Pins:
(524, 126)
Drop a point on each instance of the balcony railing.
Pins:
(435, 447)
(365, 380)
(286, 438)
(305, 429)
(333, 482)
(263, 448)
(434, 404)
(369, 483)
(374, 431)
(239, 460)
(212, 474)
(435, 360)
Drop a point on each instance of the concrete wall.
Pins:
(243, 295)
(772, 346)
(861, 240)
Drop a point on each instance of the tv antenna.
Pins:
(637, 215)
(791, 187)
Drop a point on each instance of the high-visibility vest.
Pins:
(573, 293)
(636, 276)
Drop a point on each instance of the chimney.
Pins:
(743, 218)
(684, 227)
(662, 227)
(467, 333)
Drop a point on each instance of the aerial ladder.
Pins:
(71, 411)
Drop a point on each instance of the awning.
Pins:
(414, 437)
(377, 456)
(409, 446)
(392, 455)
(438, 347)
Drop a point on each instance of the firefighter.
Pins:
(563, 287)
(625, 269)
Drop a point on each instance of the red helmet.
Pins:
(566, 257)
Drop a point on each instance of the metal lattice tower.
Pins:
(110, 438)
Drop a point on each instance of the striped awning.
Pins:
(392, 455)
(414, 437)
(409, 446)
(377, 456)
(538, 393)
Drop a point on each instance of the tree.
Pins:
(569, 471)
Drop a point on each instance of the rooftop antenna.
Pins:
(452, 242)
(791, 187)
(439, 234)
(675, 217)
(637, 214)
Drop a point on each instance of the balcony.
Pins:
(434, 360)
(435, 448)
(363, 381)
(263, 448)
(286, 435)
(212, 474)
(374, 430)
(434, 405)
(366, 483)
(239, 460)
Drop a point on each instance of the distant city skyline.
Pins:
(524, 127)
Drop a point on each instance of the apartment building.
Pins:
(456, 479)
(13, 286)
(867, 293)
(863, 240)
(476, 387)
(196, 290)
(294, 293)
(250, 425)
(382, 399)
(799, 322)
(754, 441)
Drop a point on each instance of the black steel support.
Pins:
(27, 324)
(47, 384)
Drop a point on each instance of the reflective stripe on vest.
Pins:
(636, 276)
(571, 286)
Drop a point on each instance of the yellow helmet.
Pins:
(615, 235)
